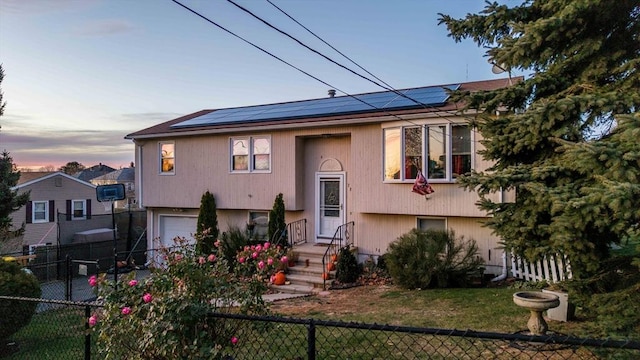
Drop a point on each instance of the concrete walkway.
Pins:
(81, 291)
(282, 296)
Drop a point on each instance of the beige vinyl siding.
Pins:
(202, 163)
(371, 195)
(488, 247)
(374, 233)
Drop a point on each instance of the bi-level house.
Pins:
(336, 160)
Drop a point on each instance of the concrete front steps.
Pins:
(306, 274)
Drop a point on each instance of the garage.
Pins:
(173, 226)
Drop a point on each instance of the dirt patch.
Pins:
(343, 298)
(341, 301)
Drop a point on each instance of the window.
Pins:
(240, 156)
(40, 211)
(432, 224)
(460, 150)
(442, 152)
(167, 158)
(251, 154)
(260, 222)
(78, 209)
(436, 152)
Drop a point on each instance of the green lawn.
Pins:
(479, 309)
(54, 334)
(59, 334)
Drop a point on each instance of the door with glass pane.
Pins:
(329, 205)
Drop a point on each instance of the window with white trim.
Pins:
(78, 209)
(167, 158)
(442, 152)
(40, 212)
(251, 154)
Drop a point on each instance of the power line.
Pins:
(387, 87)
(281, 60)
(326, 43)
(310, 75)
(310, 48)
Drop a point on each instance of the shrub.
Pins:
(14, 281)
(347, 270)
(276, 223)
(232, 241)
(432, 258)
(207, 223)
(261, 260)
(165, 316)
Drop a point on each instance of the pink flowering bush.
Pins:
(263, 260)
(165, 315)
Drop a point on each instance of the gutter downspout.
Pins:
(504, 269)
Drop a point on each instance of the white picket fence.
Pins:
(550, 268)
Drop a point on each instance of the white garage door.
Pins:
(172, 226)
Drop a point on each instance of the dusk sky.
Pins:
(82, 74)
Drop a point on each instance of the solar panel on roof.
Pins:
(341, 105)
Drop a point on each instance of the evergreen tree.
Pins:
(207, 220)
(276, 222)
(10, 201)
(568, 145)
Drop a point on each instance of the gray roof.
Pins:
(121, 175)
(93, 172)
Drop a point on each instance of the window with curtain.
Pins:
(167, 158)
(442, 152)
(251, 154)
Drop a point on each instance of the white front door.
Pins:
(330, 207)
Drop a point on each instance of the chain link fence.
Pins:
(288, 338)
(63, 270)
(129, 226)
(60, 331)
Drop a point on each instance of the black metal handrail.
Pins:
(342, 237)
(294, 233)
(297, 232)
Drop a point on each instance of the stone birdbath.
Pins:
(536, 302)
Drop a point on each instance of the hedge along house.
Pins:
(336, 160)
